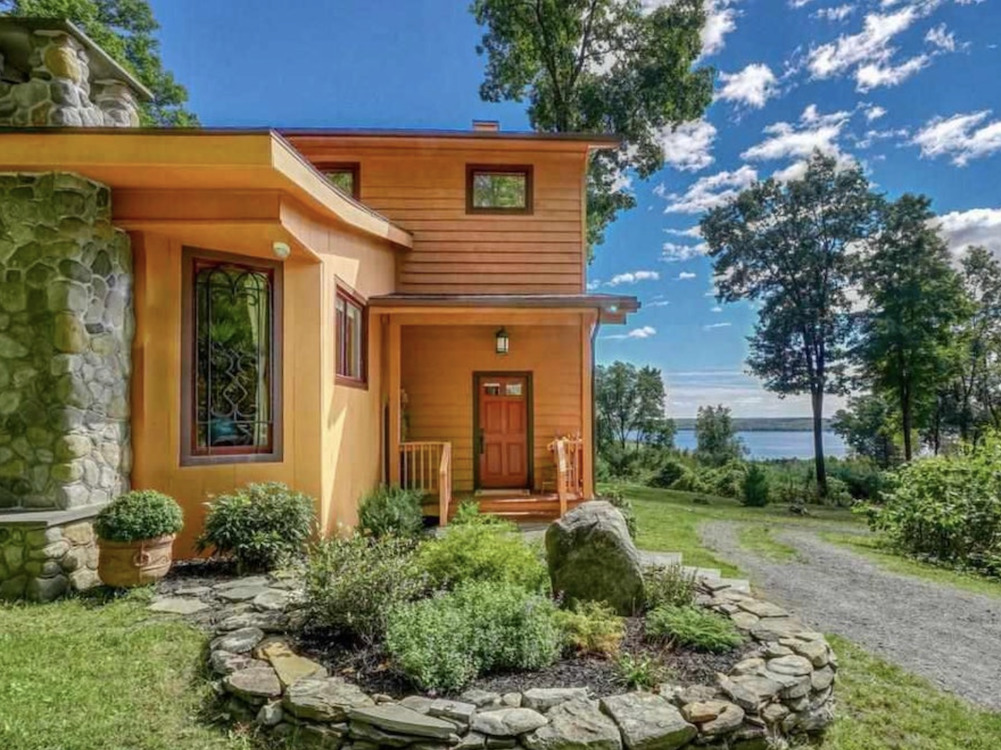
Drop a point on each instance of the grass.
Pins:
(870, 548)
(882, 707)
(84, 675)
(758, 538)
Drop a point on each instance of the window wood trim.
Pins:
(188, 453)
(349, 294)
(525, 169)
(353, 167)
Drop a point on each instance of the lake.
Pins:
(775, 444)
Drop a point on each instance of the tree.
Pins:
(599, 66)
(789, 247)
(716, 443)
(868, 428)
(916, 301)
(630, 406)
(125, 30)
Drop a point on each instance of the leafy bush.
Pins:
(691, 481)
(353, 583)
(591, 628)
(617, 497)
(754, 492)
(671, 470)
(948, 508)
(138, 515)
(469, 512)
(392, 510)
(640, 672)
(693, 626)
(261, 526)
(444, 642)
(668, 586)
(482, 552)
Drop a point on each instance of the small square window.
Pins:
(351, 332)
(499, 189)
(344, 176)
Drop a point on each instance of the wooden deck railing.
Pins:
(568, 455)
(427, 466)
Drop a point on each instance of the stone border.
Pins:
(784, 688)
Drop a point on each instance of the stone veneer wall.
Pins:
(59, 90)
(66, 328)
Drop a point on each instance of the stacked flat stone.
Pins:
(42, 563)
(785, 687)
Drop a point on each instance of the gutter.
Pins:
(594, 409)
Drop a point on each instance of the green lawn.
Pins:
(79, 675)
(758, 538)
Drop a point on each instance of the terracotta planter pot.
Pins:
(125, 564)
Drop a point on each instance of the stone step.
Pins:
(711, 574)
(663, 559)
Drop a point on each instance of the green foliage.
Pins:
(668, 586)
(868, 427)
(468, 512)
(353, 583)
(693, 626)
(755, 489)
(261, 526)
(948, 508)
(444, 642)
(137, 515)
(482, 552)
(640, 672)
(629, 409)
(617, 497)
(591, 628)
(125, 29)
(392, 510)
(716, 441)
(606, 66)
(671, 470)
(916, 299)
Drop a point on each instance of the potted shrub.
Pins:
(135, 534)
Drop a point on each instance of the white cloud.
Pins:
(672, 252)
(835, 13)
(717, 309)
(874, 75)
(685, 276)
(712, 326)
(689, 389)
(799, 3)
(632, 277)
(939, 37)
(752, 86)
(814, 132)
(978, 226)
(709, 192)
(637, 333)
(689, 146)
(593, 284)
(874, 112)
(871, 136)
(694, 232)
(721, 19)
(960, 137)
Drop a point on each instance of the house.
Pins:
(193, 310)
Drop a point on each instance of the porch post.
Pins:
(587, 405)
(394, 400)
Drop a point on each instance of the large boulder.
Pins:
(592, 557)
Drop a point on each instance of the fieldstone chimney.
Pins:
(66, 316)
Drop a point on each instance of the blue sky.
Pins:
(911, 89)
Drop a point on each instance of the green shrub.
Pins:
(591, 628)
(617, 497)
(668, 586)
(670, 471)
(640, 672)
(691, 481)
(261, 526)
(392, 510)
(469, 512)
(693, 626)
(755, 489)
(444, 642)
(353, 583)
(948, 508)
(482, 552)
(137, 515)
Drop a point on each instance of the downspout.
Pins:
(594, 410)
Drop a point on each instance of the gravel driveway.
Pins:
(947, 635)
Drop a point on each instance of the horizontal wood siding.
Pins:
(437, 376)
(424, 191)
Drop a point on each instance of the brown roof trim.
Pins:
(608, 302)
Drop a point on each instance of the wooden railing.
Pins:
(568, 455)
(427, 466)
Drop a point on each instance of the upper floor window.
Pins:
(352, 336)
(344, 176)
(498, 189)
(231, 358)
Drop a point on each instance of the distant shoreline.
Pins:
(761, 424)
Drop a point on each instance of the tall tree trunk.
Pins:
(905, 419)
(817, 400)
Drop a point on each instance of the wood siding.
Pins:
(438, 362)
(423, 190)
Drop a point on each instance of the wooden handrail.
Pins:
(568, 455)
(427, 466)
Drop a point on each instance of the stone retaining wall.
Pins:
(784, 688)
(41, 563)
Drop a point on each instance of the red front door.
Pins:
(502, 438)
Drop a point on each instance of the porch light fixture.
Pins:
(503, 341)
(281, 250)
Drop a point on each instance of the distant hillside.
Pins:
(761, 424)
